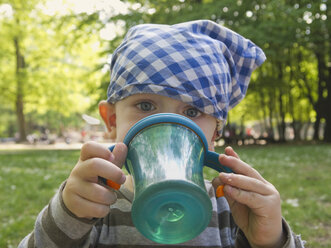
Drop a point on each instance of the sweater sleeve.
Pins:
(56, 226)
(292, 240)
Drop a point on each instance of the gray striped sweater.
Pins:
(56, 226)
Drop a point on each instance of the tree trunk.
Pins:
(262, 106)
(327, 130)
(317, 125)
(20, 66)
(271, 105)
(327, 127)
(323, 99)
(305, 130)
(282, 124)
(294, 124)
(281, 121)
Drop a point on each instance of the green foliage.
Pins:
(60, 61)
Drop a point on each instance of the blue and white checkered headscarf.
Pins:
(200, 63)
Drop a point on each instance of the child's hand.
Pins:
(254, 202)
(83, 195)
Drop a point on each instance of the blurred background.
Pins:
(54, 58)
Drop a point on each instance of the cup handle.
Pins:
(212, 161)
(108, 182)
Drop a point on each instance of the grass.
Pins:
(301, 173)
(28, 179)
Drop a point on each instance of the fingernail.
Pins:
(123, 179)
(222, 157)
(227, 177)
(219, 191)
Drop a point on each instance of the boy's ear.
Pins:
(108, 114)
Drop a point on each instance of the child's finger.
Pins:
(240, 167)
(247, 183)
(92, 149)
(216, 182)
(230, 152)
(251, 199)
(84, 208)
(95, 192)
(119, 153)
(92, 168)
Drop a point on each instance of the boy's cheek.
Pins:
(120, 134)
(209, 133)
(122, 130)
(125, 119)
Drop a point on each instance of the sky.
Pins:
(106, 8)
(80, 6)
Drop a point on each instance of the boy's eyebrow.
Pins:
(142, 98)
(190, 106)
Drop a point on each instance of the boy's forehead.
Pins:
(153, 97)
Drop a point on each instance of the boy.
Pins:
(198, 69)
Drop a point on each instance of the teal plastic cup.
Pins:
(166, 156)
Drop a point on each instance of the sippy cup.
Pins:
(166, 155)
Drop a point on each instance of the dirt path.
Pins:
(56, 146)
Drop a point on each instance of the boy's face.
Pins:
(121, 117)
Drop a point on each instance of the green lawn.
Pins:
(302, 174)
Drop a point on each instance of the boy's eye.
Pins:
(145, 106)
(192, 112)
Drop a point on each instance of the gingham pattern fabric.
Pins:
(200, 63)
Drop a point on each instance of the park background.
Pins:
(54, 69)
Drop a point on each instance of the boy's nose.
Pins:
(169, 105)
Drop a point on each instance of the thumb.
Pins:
(119, 154)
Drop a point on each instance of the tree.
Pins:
(43, 56)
